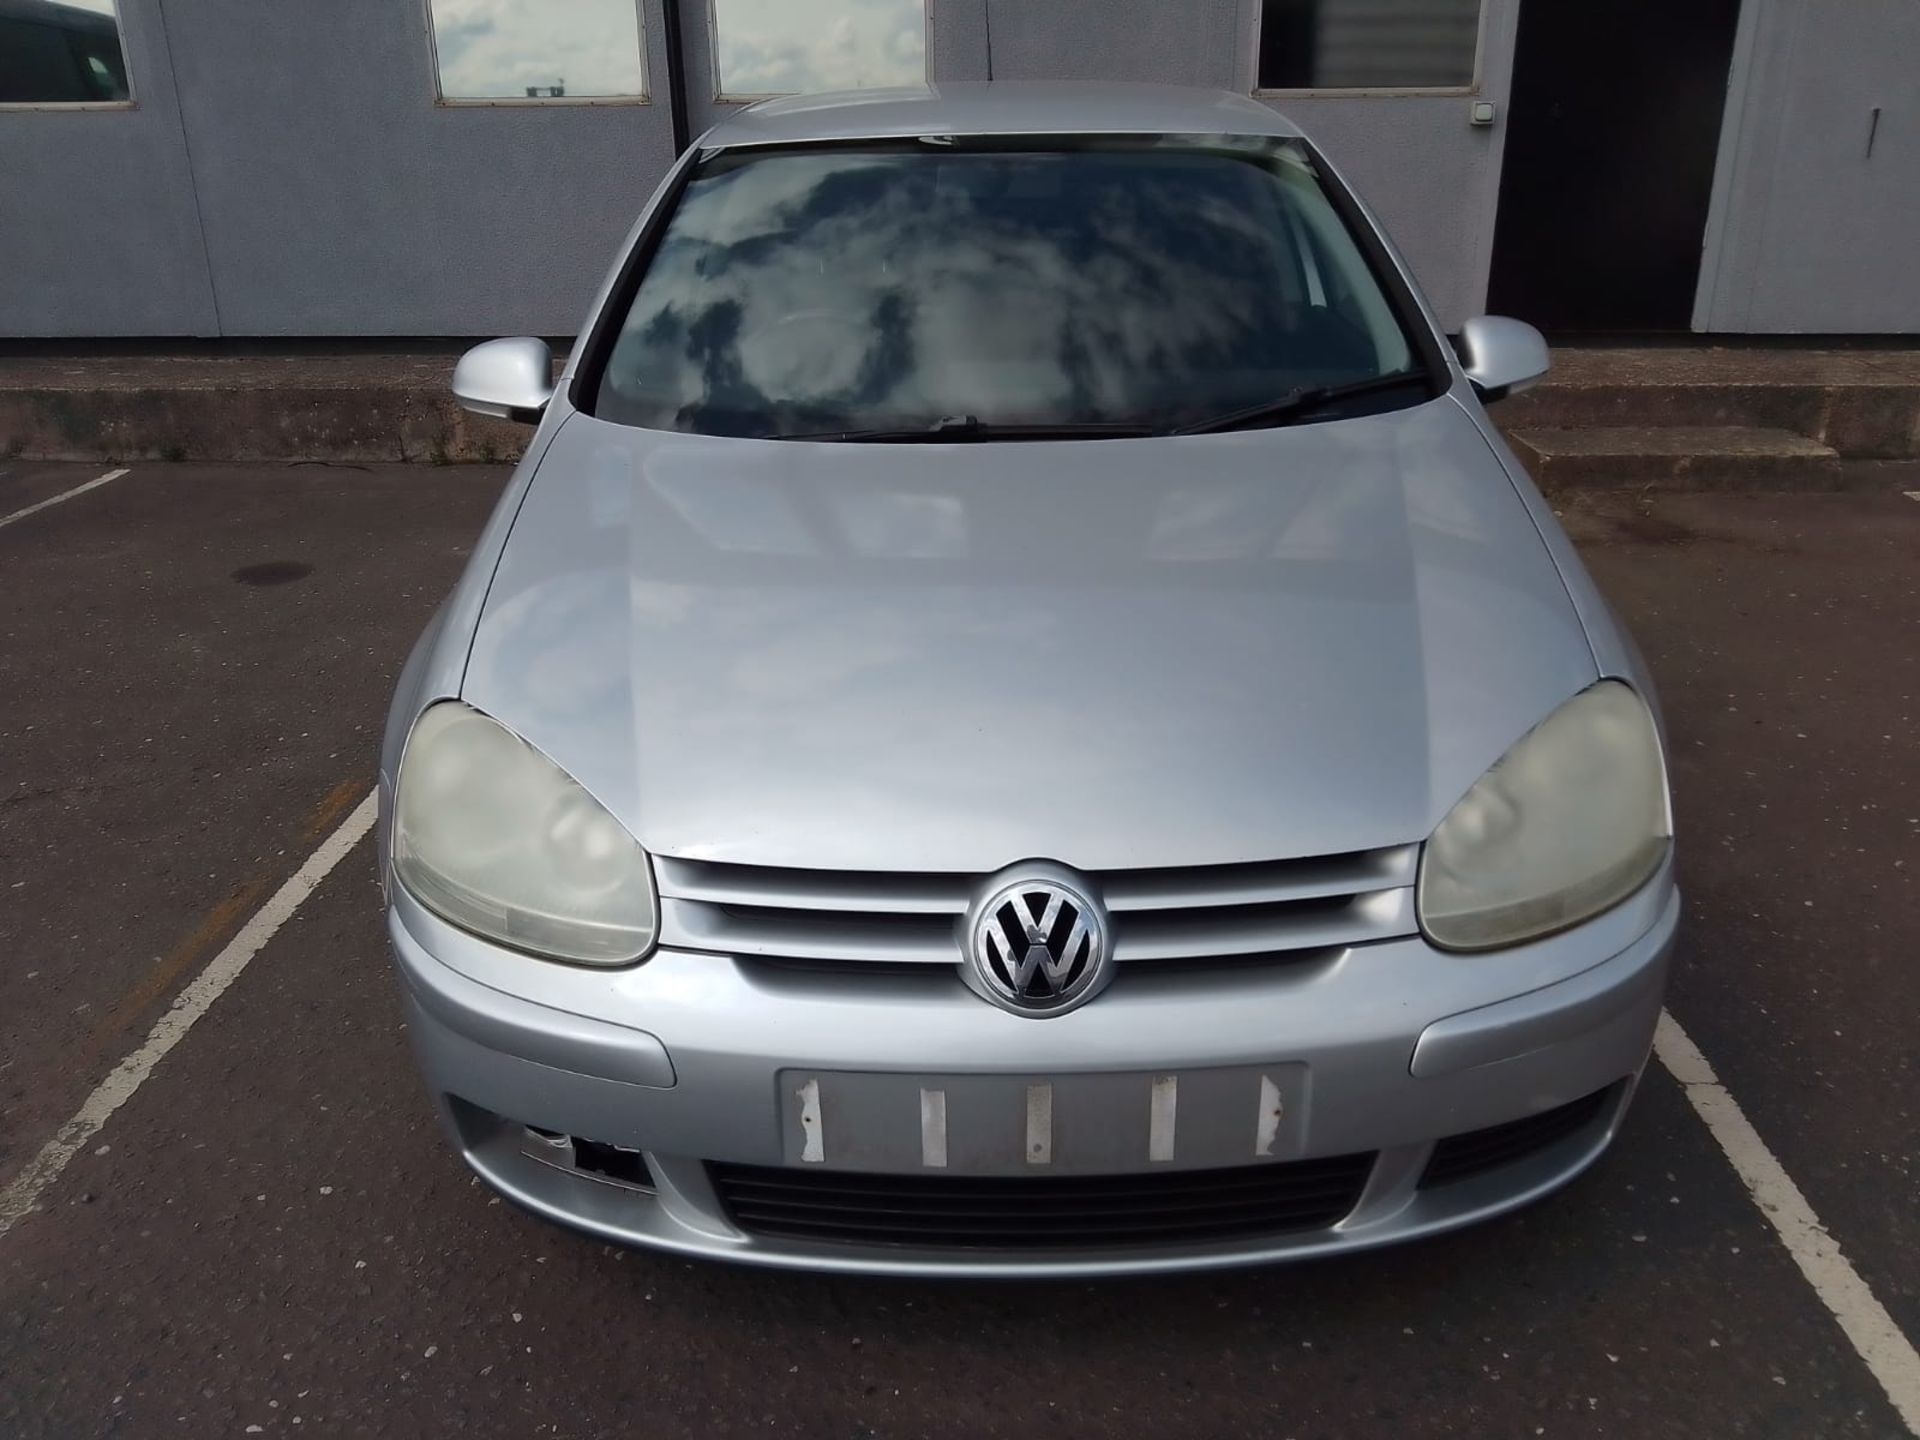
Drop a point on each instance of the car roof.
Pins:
(999, 107)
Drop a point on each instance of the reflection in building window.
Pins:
(788, 47)
(65, 53)
(1355, 44)
(538, 49)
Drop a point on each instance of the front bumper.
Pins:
(690, 1059)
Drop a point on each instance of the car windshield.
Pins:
(1136, 284)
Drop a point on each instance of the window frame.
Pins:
(722, 97)
(58, 107)
(443, 101)
(1343, 92)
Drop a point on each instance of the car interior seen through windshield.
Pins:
(1028, 288)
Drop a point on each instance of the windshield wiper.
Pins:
(1299, 403)
(971, 427)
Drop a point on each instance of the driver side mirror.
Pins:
(1502, 356)
(507, 379)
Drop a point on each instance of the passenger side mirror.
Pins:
(508, 379)
(1502, 356)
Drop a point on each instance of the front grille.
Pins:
(1057, 1212)
(1277, 910)
(1459, 1157)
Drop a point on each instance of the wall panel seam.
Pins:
(193, 174)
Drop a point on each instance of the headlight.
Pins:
(493, 836)
(1572, 820)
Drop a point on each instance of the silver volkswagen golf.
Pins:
(1017, 718)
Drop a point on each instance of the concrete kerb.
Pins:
(364, 408)
(358, 409)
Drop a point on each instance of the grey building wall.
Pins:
(1815, 224)
(286, 169)
(336, 196)
(1179, 42)
(98, 231)
(339, 198)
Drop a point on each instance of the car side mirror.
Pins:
(508, 379)
(1502, 356)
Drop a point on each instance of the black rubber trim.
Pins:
(676, 77)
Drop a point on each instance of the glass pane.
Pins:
(789, 47)
(538, 49)
(1122, 282)
(1349, 44)
(60, 54)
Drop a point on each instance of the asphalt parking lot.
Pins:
(268, 1236)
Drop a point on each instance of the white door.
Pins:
(1815, 223)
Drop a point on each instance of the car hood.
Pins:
(1256, 645)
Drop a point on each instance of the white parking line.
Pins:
(94, 484)
(1890, 1356)
(23, 1192)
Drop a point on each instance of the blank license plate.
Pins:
(1043, 1124)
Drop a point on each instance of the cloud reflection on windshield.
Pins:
(817, 291)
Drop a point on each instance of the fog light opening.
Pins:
(612, 1162)
(590, 1159)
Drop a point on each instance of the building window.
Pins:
(1368, 44)
(65, 53)
(539, 50)
(788, 47)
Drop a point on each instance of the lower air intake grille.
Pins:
(1460, 1156)
(1175, 1208)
